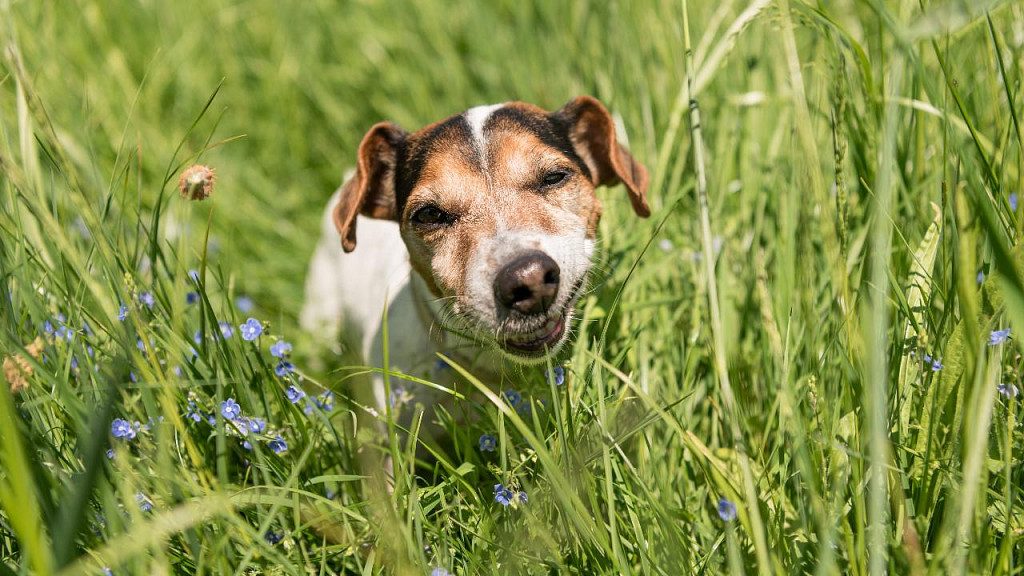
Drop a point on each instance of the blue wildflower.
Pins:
(147, 299)
(226, 330)
(251, 330)
(503, 495)
(107, 571)
(998, 337)
(726, 510)
(64, 333)
(197, 337)
(110, 453)
(936, 365)
(74, 363)
(122, 428)
(488, 443)
(230, 409)
(325, 400)
(133, 377)
(440, 572)
(1008, 390)
(273, 537)
(48, 328)
(194, 275)
(441, 365)
(122, 312)
(294, 394)
(176, 370)
(522, 497)
(244, 304)
(1013, 201)
(145, 504)
(247, 445)
(557, 375)
(140, 344)
(981, 276)
(278, 445)
(191, 297)
(513, 397)
(280, 349)
(284, 368)
(211, 420)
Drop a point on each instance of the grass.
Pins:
(841, 209)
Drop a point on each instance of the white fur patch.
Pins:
(477, 117)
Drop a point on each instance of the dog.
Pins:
(475, 234)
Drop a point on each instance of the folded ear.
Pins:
(371, 191)
(592, 133)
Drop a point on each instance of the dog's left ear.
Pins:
(371, 191)
(592, 133)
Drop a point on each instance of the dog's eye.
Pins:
(431, 215)
(553, 178)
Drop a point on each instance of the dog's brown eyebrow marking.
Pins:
(467, 132)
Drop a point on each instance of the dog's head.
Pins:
(497, 208)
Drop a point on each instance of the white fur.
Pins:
(477, 117)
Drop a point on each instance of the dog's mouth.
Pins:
(537, 342)
(534, 342)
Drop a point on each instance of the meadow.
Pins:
(805, 362)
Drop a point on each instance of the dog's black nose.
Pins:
(528, 284)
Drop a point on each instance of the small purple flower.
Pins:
(280, 349)
(230, 409)
(48, 328)
(194, 275)
(191, 297)
(440, 572)
(74, 363)
(147, 299)
(998, 337)
(557, 374)
(284, 368)
(294, 394)
(1013, 201)
(247, 445)
(122, 428)
(278, 445)
(325, 401)
(110, 453)
(514, 398)
(145, 504)
(257, 425)
(251, 330)
(226, 330)
(936, 365)
(122, 312)
(140, 344)
(1008, 390)
(522, 497)
(244, 304)
(273, 537)
(726, 510)
(64, 333)
(133, 377)
(981, 276)
(503, 495)
(488, 443)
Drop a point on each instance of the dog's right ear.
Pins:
(371, 191)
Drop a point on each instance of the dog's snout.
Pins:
(528, 284)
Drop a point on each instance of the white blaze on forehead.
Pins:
(477, 118)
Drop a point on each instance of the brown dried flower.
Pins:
(196, 183)
(17, 369)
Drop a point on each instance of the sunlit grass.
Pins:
(794, 366)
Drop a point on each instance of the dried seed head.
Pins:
(16, 371)
(196, 183)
